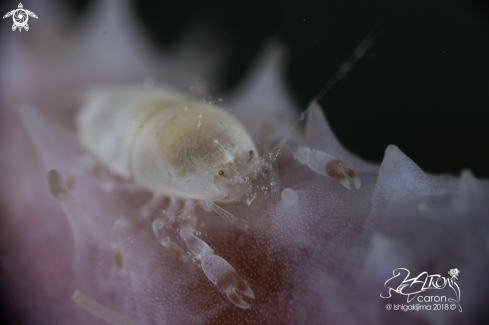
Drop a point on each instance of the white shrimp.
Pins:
(173, 146)
(177, 147)
(169, 144)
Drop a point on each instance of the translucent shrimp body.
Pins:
(168, 144)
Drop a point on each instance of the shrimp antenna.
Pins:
(343, 70)
(346, 66)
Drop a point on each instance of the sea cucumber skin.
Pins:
(323, 260)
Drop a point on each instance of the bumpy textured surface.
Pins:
(320, 255)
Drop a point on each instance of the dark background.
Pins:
(424, 85)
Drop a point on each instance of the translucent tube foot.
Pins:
(100, 311)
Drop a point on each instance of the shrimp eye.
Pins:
(221, 173)
(252, 154)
